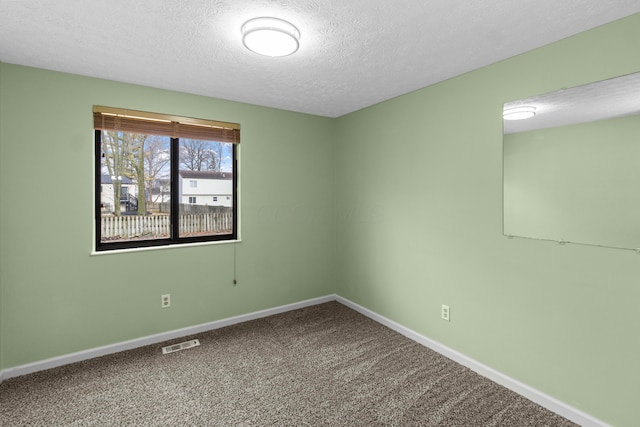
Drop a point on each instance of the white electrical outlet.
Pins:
(166, 301)
(445, 312)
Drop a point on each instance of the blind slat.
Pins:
(108, 118)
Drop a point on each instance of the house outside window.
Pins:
(142, 197)
(215, 188)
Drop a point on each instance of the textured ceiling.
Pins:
(353, 54)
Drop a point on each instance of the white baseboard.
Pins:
(542, 399)
(153, 339)
(530, 393)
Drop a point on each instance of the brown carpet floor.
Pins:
(325, 365)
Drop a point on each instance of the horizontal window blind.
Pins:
(119, 119)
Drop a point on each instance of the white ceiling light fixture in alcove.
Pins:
(270, 36)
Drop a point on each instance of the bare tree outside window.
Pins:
(198, 155)
(157, 161)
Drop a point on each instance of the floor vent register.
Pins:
(182, 346)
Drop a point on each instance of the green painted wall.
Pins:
(58, 299)
(575, 183)
(419, 224)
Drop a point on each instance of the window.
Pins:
(142, 162)
(215, 199)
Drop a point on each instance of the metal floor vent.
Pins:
(182, 346)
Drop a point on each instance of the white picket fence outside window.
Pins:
(157, 226)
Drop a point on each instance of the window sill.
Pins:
(165, 247)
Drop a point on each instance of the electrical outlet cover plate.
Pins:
(445, 312)
(165, 301)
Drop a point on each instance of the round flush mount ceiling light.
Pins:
(270, 36)
(519, 113)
